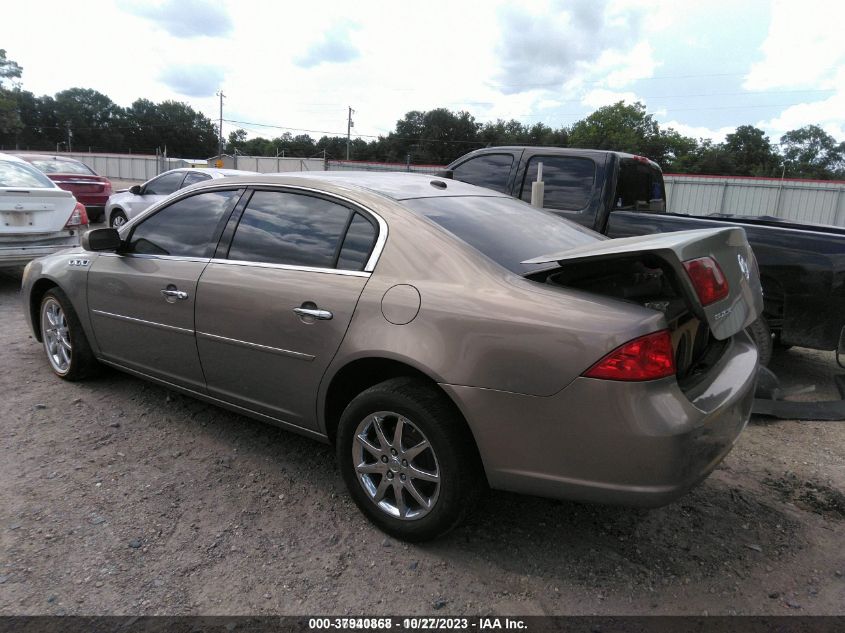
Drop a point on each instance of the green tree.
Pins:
(10, 72)
(752, 153)
(94, 120)
(810, 152)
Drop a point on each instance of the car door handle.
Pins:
(316, 313)
(176, 294)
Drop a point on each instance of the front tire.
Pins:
(65, 344)
(408, 459)
(117, 219)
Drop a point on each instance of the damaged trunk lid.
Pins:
(640, 269)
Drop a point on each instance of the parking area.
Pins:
(119, 497)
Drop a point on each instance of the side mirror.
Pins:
(135, 190)
(101, 240)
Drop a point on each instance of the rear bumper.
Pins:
(20, 255)
(612, 442)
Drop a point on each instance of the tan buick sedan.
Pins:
(442, 336)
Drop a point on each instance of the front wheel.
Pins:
(64, 340)
(118, 219)
(408, 459)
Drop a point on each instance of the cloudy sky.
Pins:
(700, 67)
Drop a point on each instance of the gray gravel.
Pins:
(118, 497)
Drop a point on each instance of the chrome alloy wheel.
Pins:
(396, 465)
(118, 220)
(54, 329)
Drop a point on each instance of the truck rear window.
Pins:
(568, 181)
(640, 187)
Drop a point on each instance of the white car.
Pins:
(126, 204)
(36, 217)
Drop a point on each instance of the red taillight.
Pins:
(646, 358)
(707, 279)
(78, 218)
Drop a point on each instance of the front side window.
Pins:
(301, 230)
(165, 184)
(194, 177)
(22, 175)
(568, 181)
(490, 170)
(186, 228)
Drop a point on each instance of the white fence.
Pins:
(812, 201)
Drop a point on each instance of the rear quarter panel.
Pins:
(477, 324)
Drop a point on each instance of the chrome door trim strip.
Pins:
(307, 269)
(170, 258)
(160, 326)
(256, 346)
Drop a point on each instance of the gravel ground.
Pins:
(119, 497)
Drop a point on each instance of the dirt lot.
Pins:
(118, 497)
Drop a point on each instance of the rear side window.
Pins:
(490, 170)
(165, 184)
(22, 175)
(357, 244)
(568, 181)
(186, 228)
(60, 166)
(301, 230)
(194, 177)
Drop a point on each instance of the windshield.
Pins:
(640, 187)
(506, 230)
(22, 175)
(50, 166)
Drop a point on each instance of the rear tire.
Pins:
(420, 481)
(64, 340)
(760, 332)
(117, 219)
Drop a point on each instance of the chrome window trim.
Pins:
(161, 326)
(369, 267)
(170, 258)
(256, 346)
(305, 269)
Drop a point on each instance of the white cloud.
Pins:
(699, 131)
(827, 113)
(602, 97)
(804, 47)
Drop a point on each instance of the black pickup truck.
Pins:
(802, 266)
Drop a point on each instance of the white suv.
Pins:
(36, 217)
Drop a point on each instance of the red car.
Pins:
(75, 176)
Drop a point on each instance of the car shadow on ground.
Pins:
(714, 530)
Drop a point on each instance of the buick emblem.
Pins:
(743, 266)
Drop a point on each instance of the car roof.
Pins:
(11, 158)
(395, 185)
(215, 171)
(30, 157)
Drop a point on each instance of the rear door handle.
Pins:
(316, 313)
(175, 294)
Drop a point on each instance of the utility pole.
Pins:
(220, 94)
(69, 137)
(349, 125)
